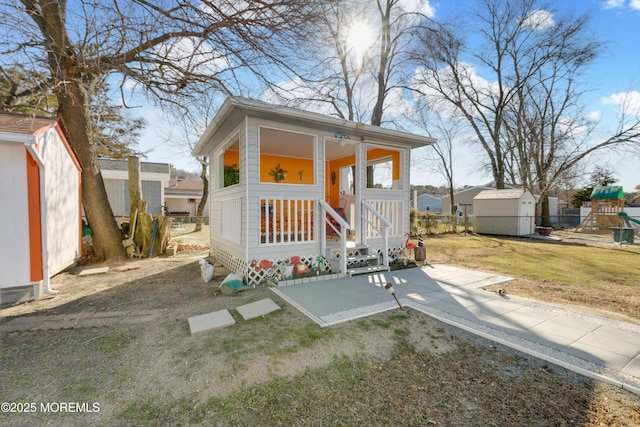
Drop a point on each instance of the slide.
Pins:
(631, 222)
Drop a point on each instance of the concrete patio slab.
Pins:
(213, 320)
(601, 348)
(257, 309)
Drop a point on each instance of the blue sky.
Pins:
(616, 23)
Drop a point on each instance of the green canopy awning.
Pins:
(608, 192)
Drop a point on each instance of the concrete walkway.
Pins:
(593, 346)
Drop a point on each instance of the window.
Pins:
(286, 157)
(383, 168)
(229, 164)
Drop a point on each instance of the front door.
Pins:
(340, 185)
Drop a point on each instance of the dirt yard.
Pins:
(127, 352)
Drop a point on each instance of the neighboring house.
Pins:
(154, 176)
(182, 197)
(504, 212)
(41, 205)
(283, 181)
(429, 203)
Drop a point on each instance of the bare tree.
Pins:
(359, 59)
(513, 41)
(449, 132)
(167, 49)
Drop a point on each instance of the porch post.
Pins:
(360, 186)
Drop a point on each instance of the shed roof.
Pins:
(500, 194)
(234, 109)
(608, 192)
(24, 124)
(123, 165)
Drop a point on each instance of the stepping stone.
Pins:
(213, 320)
(128, 267)
(257, 309)
(91, 271)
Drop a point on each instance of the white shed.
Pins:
(41, 211)
(504, 212)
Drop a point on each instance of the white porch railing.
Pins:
(391, 210)
(286, 220)
(335, 222)
(377, 225)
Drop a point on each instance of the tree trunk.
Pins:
(205, 194)
(545, 212)
(135, 186)
(107, 236)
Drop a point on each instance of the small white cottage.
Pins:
(504, 212)
(41, 211)
(291, 188)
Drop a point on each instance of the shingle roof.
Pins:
(23, 123)
(123, 165)
(500, 194)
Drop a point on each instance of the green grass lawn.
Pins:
(601, 277)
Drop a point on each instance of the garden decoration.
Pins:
(278, 173)
(389, 287)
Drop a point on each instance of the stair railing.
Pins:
(372, 219)
(329, 214)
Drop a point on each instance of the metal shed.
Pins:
(504, 212)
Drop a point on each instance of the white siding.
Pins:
(62, 187)
(14, 233)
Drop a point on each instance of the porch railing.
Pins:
(339, 227)
(376, 224)
(286, 220)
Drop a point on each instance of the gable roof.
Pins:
(235, 109)
(27, 129)
(24, 124)
(501, 194)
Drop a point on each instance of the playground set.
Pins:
(607, 214)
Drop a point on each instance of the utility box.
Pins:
(623, 235)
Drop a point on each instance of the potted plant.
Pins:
(278, 173)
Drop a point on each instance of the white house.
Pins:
(154, 177)
(182, 197)
(318, 191)
(41, 205)
(504, 212)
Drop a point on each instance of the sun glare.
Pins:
(360, 38)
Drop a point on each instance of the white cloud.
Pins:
(593, 116)
(626, 102)
(539, 20)
(614, 4)
(422, 6)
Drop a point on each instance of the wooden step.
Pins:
(366, 257)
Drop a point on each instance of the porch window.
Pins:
(286, 157)
(229, 164)
(383, 169)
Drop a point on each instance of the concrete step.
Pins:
(366, 270)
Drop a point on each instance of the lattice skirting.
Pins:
(254, 274)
